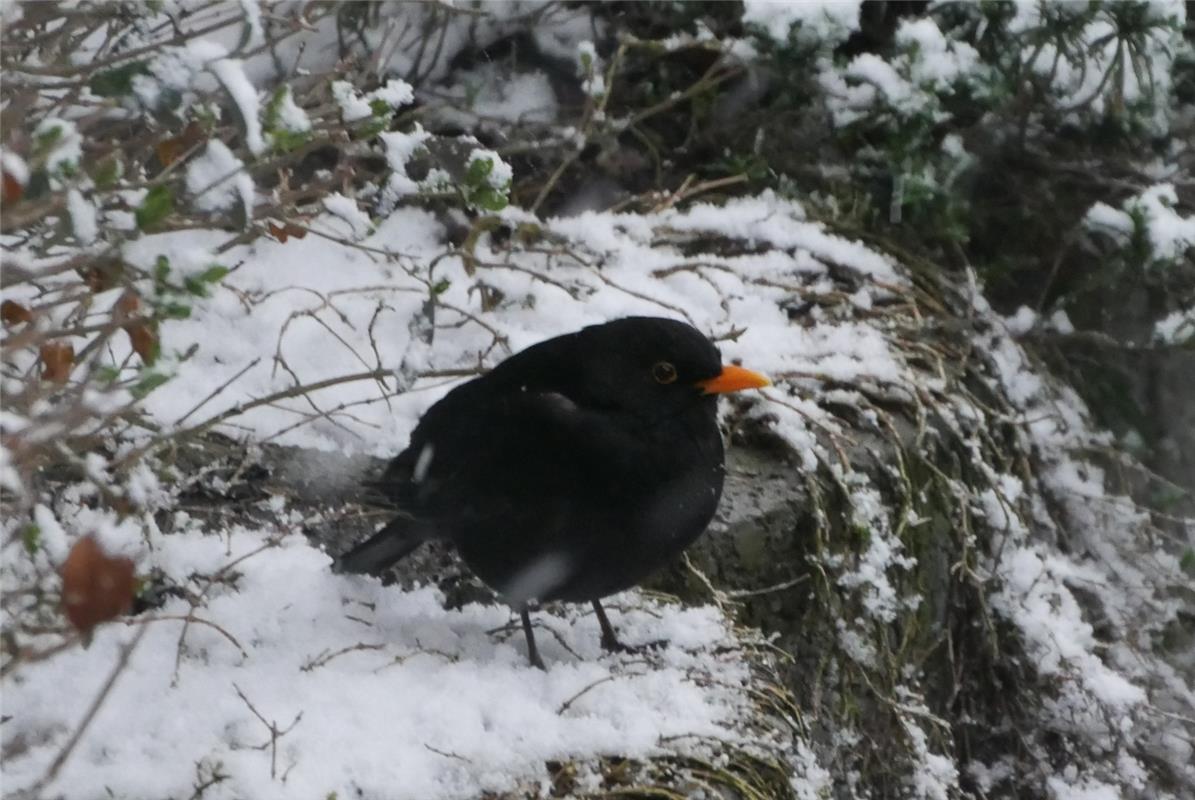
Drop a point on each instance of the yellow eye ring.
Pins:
(663, 372)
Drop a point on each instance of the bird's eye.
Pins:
(663, 372)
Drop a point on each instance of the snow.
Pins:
(346, 209)
(1084, 789)
(416, 701)
(315, 308)
(321, 329)
(1092, 74)
(870, 574)
(400, 148)
(500, 174)
(352, 106)
(1102, 215)
(938, 62)
(83, 222)
(926, 67)
(232, 76)
(938, 777)
(590, 67)
(396, 93)
(488, 94)
(290, 116)
(1108, 552)
(829, 22)
(1021, 322)
(400, 697)
(1169, 233)
(177, 69)
(14, 166)
(870, 68)
(252, 11)
(66, 152)
(218, 179)
(1061, 322)
(1175, 328)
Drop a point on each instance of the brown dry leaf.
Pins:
(128, 304)
(170, 150)
(11, 190)
(144, 340)
(57, 358)
(96, 587)
(102, 276)
(13, 313)
(284, 232)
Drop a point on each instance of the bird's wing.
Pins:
(470, 461)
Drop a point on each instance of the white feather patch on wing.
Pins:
(538, 579)
(423, 463)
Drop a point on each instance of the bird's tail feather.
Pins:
(382, 550)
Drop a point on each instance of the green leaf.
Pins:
(380, 108)
(118, 81)
(156, 206)
(270, 118)
(214, 274)
(284, 141)
(47, 139)
(174, 310)
(487, 198)
(372, 127)
(477, 188)
(441, 286)
(148, 382)
(479, 170)
(198, 284)
(108, 374)
(1187, 562)
(31, 538)
(195, 286)
(107, 173)
(161, 270)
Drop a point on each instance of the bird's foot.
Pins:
(610, 641)
(611, 644)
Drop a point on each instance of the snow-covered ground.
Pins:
(271, 677)
(382, 690)
(368, 689)
(388, 692)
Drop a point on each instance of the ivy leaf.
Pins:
(118, 81)
(156, 206)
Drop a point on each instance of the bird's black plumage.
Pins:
(572, 470)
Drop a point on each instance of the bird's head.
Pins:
(649, 365)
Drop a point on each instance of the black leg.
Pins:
(532, 650)
(610, 641)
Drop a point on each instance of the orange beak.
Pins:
(734, 379)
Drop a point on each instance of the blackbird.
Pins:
(573, 470)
